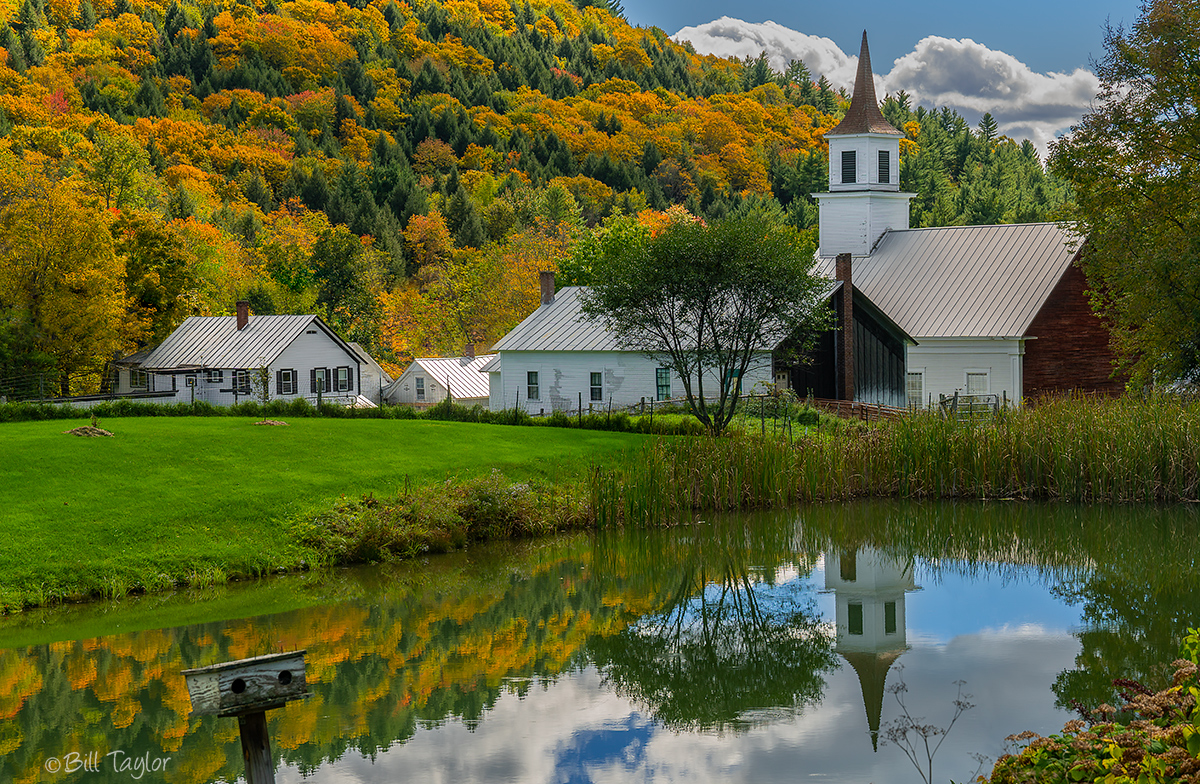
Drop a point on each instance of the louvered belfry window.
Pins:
(849, 166)
(885, 167)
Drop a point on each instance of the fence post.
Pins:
(581, 409)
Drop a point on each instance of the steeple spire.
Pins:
(863, 116)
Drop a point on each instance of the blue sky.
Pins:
(1027, 63)
(1046, 36)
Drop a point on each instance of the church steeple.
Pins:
(864, 198)
(864, 116)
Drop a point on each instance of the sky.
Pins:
(1028, 63)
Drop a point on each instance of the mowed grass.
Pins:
(197, 501)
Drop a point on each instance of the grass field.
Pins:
(197, 501)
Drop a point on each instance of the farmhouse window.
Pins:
(318, 380)
(915, 388)
(849, 166)
(885, 167)
(215, 376)
(139, 379)
(977, 382)
(345, 382)
(241, 382)
(662, 383)
(889, 617)
(854, 618)
(420, 388)
(531, 382)
(285, 381)
(597, 386)
(733, 380)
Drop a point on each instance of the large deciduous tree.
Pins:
(1135, 164)
(61, 284)
(708, 302)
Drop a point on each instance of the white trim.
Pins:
(985, 372)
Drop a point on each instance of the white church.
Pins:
(994, 310)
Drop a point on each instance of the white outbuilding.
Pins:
(430, 380)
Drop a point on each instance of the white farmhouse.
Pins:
(557, 360)
(215, 359)
(430, 380)
(994, 310)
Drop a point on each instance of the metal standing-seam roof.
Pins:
(963, 281)
(216, 342)
(463, 375)
(559, 326)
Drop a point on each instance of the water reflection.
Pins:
(869, 588)
(710, 652)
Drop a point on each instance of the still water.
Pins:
(755, 649)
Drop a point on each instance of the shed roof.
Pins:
(216, 342)
(463, 375)
(963, 281)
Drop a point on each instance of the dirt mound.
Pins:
(87, 431)
(271, 422)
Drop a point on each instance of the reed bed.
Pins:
(1125, 450)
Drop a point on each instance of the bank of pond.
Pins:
(750, 647)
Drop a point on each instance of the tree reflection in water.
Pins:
(738, 640)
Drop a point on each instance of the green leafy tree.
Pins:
(705, 301)
(1134, 165)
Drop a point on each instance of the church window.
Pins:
(849, 166)
(885, 167)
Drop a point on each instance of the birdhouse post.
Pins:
(247, 689)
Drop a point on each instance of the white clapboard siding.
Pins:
(946, 363)
(564, 377)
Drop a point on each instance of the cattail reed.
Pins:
(1126, 450)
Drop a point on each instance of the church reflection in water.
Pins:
(869, 588)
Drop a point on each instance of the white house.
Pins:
(994, 310)
(373, 379)
(557, 360)
(430, 380)
(215, 359)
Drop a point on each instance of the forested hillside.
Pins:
(402, 169)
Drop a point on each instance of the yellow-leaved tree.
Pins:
(62, 282)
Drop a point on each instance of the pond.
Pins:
(760, 648)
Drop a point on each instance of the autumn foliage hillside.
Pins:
(402, 169)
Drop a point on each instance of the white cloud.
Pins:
(960, 73)
(728, 37)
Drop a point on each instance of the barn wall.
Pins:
(1071, 350)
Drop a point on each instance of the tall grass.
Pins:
(1084, 450)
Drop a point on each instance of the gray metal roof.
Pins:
(216, 342)
(463, 375)
(492, 365)
(963, 281)
(559, 326)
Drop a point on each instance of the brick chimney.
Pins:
(845, 327)
(243, 314)
(469, 351)
(546, 278)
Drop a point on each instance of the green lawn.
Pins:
(201, 499)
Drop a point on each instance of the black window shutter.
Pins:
(349, 379)
(312, 381)
(278, 382)
(327, 380)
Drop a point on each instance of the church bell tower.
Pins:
(864, 198)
